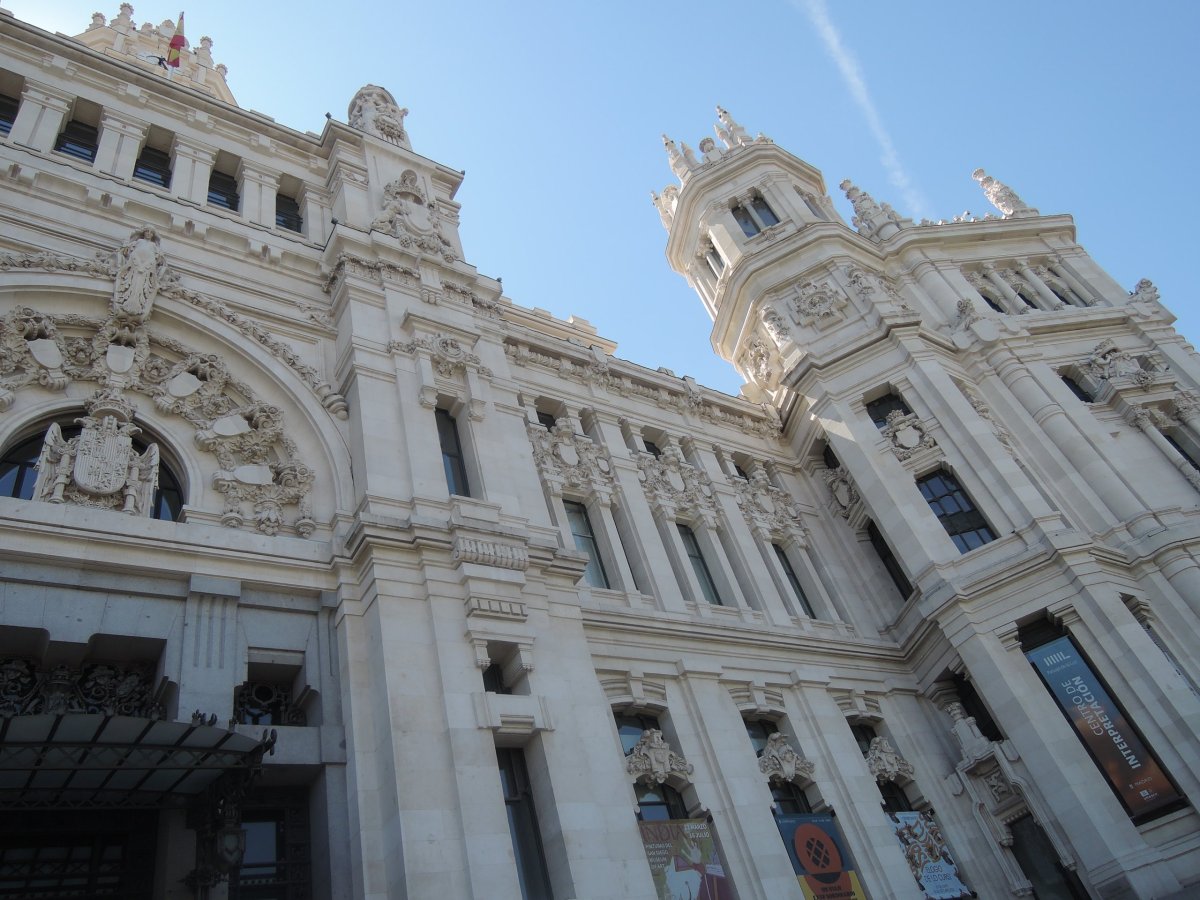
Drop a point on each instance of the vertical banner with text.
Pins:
(684, 860)
(1116, 748)
(928, 855)
(819, 857)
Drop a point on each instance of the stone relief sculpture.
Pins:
(813, 302)
(869, 217)
(376, 112)
(1002, 197)
(886, 764)
(906, 434)
(767, 507)
(568, 460)
(141, 267)
(408, 216)
(1108, 362)
(781, 762)
(666, 203)
(675, 485)
(652, 761)
(1145, 291)
(99, 467)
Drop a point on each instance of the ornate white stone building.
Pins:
(328, 571)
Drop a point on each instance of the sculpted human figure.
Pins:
(1001, 196)
(140, 267)
(375, 111)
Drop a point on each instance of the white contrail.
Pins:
(852, 75)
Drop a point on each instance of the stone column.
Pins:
(1005, 289)
(1141, 418)
(211, 664)
(41, 116)
(120, 142)
(259, 187)
(600, 514)
(1085, 294)
(1038, 285)
(193, 167)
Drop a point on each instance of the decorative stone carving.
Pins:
(1107, 362)
(100, 688)
(445, 352)
(757, 362)
(665, 203)
(1145, 291)
(869, 218)
(348, 265)
(842, 490)
(886, 764)
(776, 326)
(568, 460)
(674, 485)
(680, 165)
(781, 762)
(1002, 197)
(652, 761)
(141, 267)
(985, 413)
(970, 739)
(376, 112)
(814, 302)
(906, 434)
(730, 132)
(99, 467)
(766, 507)
(490, 553)
(968, 315)
(998, 785)
(411, 219)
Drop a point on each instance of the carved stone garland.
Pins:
(99, 688)
(260, 474)
(781, 762)
(652, 761)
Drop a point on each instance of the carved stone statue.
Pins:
(652, 760)
(140, 270)
(780, 761)
(376, 112)
(886, 764)
(1108, 361)
(730, 132)
(1001, 196)
(100, 467)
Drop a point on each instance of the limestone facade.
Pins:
(281, 462)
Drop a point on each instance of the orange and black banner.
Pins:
(819, 857)
(1101, 724)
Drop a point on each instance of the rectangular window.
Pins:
(523, 825)
(223, 191)
(287, 213)
(880, 409)
(80, 140)
(8, 112)
(793, 581)
(276, 863)
(707, 586)
(153, 166)
(546, 420)
(888, 558)
(742, 216)
(765, 214)
(585, 540)
(452, 456)
(954, 509)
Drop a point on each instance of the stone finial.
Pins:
(970, 739)
(376, 112)
(886, 764)
(781, 762)
(1002, 197)
(665, 203)
(872, 220)
(679, 164)
(652, 761)
(98, 21)
(730, 133)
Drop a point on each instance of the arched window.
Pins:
(18, 473)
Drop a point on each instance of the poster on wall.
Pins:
(928, 855)
(819, 857)
(1116, 748)
(684, 860)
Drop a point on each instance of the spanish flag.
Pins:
(175, 48)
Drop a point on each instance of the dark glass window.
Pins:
(1179, 447)
(974, 707)
(1061, 295)
(894, 798)
(789, 799)
(652, 449)
(786, 564)
(746, 221)
(707, 586)
(863, 735)
(223, 191)
(8, 112)
(830, 458)
(523, 825)
(880, 409)
(990, 301)
(741, 473)
(546, 419)
(630, 727)
(1076, 388)
(78, 139)
(277, 862)
(287, 213)
(452, 456)
(493, 680)
(765, 213)
(1039, 863)
(950, 503)
(888, 558)
(716, 261)
(153, 166)
(758, 730)
(585, 540)
(18, 474)
(659, 803)
(266, 703)
(1025, 299)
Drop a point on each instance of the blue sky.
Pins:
(555, 110)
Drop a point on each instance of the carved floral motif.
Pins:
(813, 302)
(99, 688)
(652, 761)
(412, 219)
(445, 352)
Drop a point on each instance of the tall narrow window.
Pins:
(954, 509)
(742, 216)
(79, 139)
(546, 420)
(287, 213)
(881, 408)
(707, 586)
(716, 261)
(585, 540)
(658, 803)
(766, 215)
(759, 731)
(223, 191)
(888, 558)
(1076, 388)
(523, 825)
(1179, 448)
(8, 112)
(630, 727)
(154, 167)
(452, 456)
(788, 571)
(277, 860)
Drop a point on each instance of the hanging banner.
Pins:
(928, 855)
(822, 864)
(1113, 744)
(684, 861)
